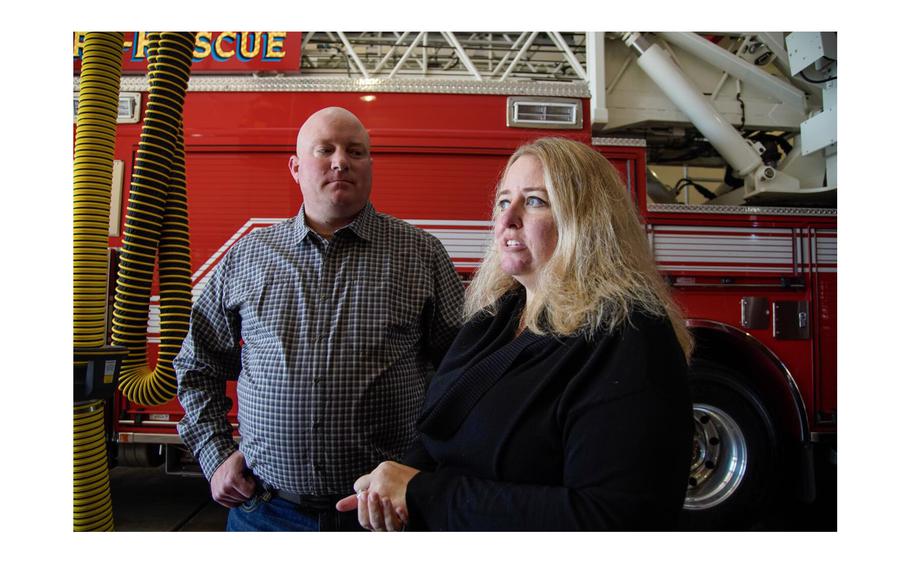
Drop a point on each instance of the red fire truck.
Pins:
(753, 264)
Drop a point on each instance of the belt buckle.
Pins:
(264, 492)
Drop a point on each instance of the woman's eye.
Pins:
(503, 204)
(534, 201)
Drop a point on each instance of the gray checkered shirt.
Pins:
(332, 343)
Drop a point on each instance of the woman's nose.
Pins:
(511, 216)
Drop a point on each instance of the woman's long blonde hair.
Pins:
(602, 268)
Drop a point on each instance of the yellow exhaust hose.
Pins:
(93, 164)
(92, 509)
(93, 161)
(157, 224)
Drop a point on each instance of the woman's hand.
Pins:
(381, 497)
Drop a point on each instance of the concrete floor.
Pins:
(148, 499)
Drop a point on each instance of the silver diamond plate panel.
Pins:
(740, 210)
(638, 142)
(340, 84)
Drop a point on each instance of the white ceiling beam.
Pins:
(567, 52)
(353, 54)
(400, 40)
(506, 57)
(524, 49)
(406, 54)
(465, 60)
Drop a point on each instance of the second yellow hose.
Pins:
(157, 226)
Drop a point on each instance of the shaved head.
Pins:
(333, 168)
(330, 115)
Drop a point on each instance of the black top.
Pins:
(546, 433)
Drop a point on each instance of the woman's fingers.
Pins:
(392, 522)
(362, 483)
(377, 518)
(363, 511)
(349, 503)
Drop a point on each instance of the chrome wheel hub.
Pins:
(719, 458)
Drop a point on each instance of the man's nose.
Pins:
(339, 161)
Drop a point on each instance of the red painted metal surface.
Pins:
(438, 157)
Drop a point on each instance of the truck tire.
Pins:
(734, 464)
(139, 455)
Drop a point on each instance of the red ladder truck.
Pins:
(746, 236)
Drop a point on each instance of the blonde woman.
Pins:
(562, 404)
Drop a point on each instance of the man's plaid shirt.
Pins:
(332, 342)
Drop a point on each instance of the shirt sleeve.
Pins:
(210, 355)
(443, 318)
(626, 425)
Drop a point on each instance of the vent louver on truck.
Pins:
(127, 107)
(539, 112)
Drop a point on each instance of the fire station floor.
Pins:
(148, 499)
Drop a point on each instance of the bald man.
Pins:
(331, 322)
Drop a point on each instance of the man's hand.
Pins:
(231, 482)
(381, 497)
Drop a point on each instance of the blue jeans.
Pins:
(274, 514)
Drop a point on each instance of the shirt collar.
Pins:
(365, 225)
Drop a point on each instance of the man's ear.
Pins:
(294, 166)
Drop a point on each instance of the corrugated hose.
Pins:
(96, 123)
(157, 223)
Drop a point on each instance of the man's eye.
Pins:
(323, 150)
(534, 201)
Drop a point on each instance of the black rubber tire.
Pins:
(736, 420)
(139, 455)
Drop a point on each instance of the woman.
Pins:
(562, 404)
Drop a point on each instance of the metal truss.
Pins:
(474, 56)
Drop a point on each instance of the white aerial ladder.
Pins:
(763, 104)
(808, 172)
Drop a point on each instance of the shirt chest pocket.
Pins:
(390, 319)
(273, 308)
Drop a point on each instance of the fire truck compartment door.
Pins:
(791, 320)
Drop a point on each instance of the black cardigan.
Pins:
(545, 433)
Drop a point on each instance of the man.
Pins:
(331, 322)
